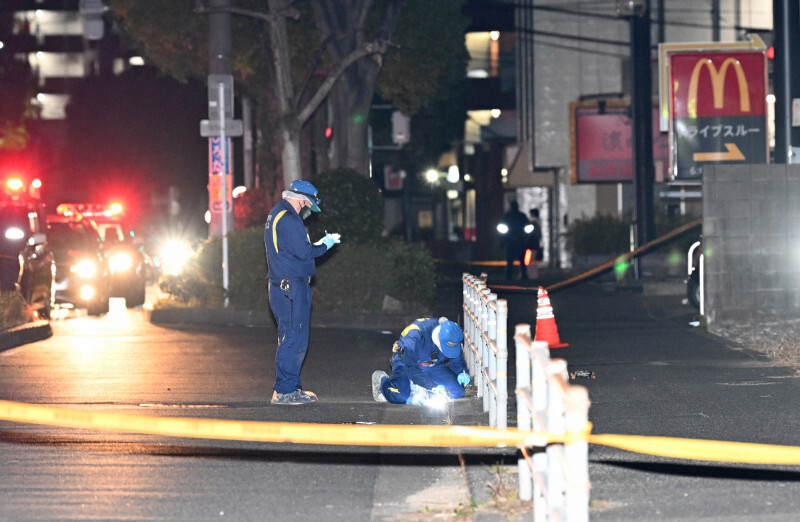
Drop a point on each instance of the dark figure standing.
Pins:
(535, 237)
(512, 230)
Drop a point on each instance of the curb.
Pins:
(226, 316)
(24, 334)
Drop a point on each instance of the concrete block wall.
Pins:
(751, 242)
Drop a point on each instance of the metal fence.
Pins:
(555, 475)
(486, 346)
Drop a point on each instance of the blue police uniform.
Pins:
(290, 255)
(420, 361)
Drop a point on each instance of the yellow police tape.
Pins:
(392, 435)
(694, 449)
(258, 431)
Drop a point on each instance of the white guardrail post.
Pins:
(556, 476)
(486, 346)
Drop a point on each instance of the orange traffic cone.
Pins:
(546, 329)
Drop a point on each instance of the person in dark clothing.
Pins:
(426, 360)
(535, 236)
(512, 230)
(290, 256)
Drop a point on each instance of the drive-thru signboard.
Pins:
(713, 104)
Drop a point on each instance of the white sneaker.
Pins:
(377, 379)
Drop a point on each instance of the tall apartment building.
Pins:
(64, 43)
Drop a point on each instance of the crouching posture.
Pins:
(427, 358)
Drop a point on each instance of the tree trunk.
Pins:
(351, 96)
(284, 90)
(290, 156)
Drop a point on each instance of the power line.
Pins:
(603, 16)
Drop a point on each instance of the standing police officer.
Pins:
(290, 256)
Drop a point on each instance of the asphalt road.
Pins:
(123, 363)
(654, 374)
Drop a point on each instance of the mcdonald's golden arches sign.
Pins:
(717, 107)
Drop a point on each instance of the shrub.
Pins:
(13, 310)
(353, 278)
(601, 235)
(607, 235)
(201, 282)
(351, 205)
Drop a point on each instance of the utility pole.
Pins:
(219, 127)
(638, 12)
(785, 15)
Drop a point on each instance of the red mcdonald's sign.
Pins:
(714, 98)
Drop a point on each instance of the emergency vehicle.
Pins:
(82, 273)
(129, 266)
(26, 263)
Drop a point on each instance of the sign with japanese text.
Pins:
(219, 184)
(602, 145)
(717, 107)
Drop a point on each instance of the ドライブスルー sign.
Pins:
(717, 105)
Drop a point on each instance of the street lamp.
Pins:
(432, 176)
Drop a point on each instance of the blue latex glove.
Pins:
(330, 239)
(463, 378)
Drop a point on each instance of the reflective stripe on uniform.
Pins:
(275, 229)
(408, 329)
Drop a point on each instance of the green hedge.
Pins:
(13, 310)
(352, 278)
(600, 235)
(351, 205)
(201, 282)
(356, 278)
(608, 235)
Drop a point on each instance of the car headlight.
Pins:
(87, 292)
(85, 268)
(120, 262)
(502, 228)
(174, 255)
(14, 233)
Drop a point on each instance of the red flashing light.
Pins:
(328, 132)
(116, 208)
(771, 52)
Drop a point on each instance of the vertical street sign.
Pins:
(715, 105)
(219, 165)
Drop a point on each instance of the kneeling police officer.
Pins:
(427, 358)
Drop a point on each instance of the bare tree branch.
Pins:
(374, 47)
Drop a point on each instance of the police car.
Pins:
(82, 273)
(26, 263)
(129, 266)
